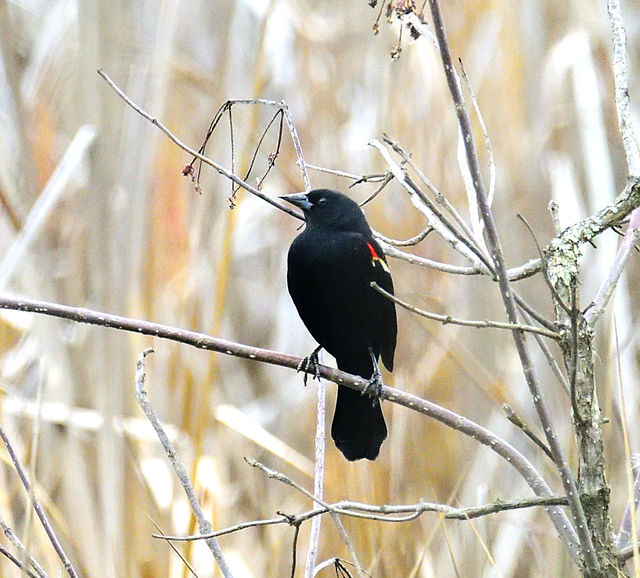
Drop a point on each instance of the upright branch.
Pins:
(590, 559)
(578, 326)
(621, 80)
(203, 524)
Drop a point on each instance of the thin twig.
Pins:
(410, 242)
(25, 569)
(359, 178)
(204, 526)
(447, 319)
(516, 274)
(318, 478)
(516, 420)
(591, 560)
(621, 81)
(545, 273)
(284, 479)
(237, 180)
(387, 179)
(280, 477)
(605, 292)
(551, 360)
(385, 513)
(439, 197)
(487, 141)
(13, 538)
(458, 241)
(391, 251)
(524, 306)
(177, 552)
(35, 502)
(294, 549)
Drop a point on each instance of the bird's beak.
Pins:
(300, 200)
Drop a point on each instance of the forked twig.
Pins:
(35, 503)
(204, 526)
(154, 121)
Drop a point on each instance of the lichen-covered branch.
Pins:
(563, 267)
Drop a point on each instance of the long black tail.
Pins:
(358, 428)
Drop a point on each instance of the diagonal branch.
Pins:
(568, 480)
(35, 502)
(203, 524)
(602, 298)
(483, 324)
(533, 478)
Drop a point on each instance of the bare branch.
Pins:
(516, 274)
(551, 360)
(436, 219)
(487, 141)
(35, 502)
(385, 513)
(447, 319)
(25, 569)
(438, 196)
(237, 180)
(280, 477)
(202, 341)
(25, 556)
(391, 251)
(318, 479)
(411, 242)
(621, 80)
(602, 298)
(204, 526)
(346, 175)
(516, 420)
(586, 230)
(493, 241)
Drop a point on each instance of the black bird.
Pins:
(331, 265)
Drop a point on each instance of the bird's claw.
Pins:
(374, 387)
(310, 364)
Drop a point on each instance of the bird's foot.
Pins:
(309, 365)
(374, 385)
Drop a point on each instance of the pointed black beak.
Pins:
(300, 200)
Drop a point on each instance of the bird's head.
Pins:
(327, 209)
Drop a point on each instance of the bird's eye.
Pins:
(322, 200)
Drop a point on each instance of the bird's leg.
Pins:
(374, 386)
(310, 363)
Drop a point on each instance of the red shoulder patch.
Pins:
(374, 255)
(376, 259)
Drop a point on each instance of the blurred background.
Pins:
(95, 212)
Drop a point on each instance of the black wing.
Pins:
(329, 282)
(389, 323)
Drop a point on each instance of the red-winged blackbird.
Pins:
(330, 267)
